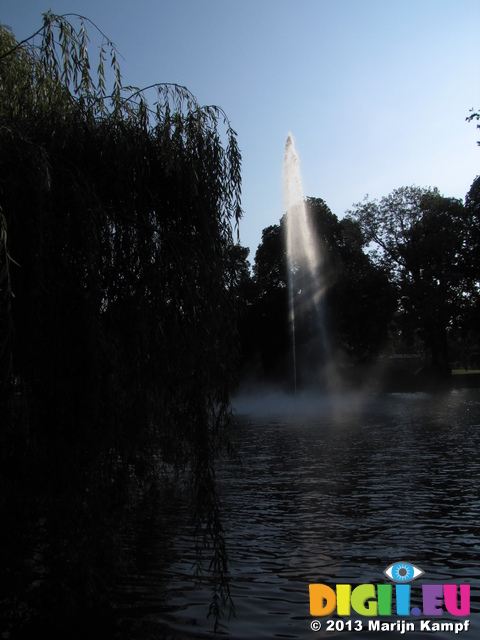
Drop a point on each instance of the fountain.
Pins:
(306, 280)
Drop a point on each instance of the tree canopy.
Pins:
(117, 338)
(425, 242)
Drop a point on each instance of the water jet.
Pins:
(305, 278)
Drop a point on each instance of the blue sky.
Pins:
(375, 92)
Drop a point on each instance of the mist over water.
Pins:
(273, 403)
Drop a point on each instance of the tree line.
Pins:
(403, 277)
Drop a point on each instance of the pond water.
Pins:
(329, 491)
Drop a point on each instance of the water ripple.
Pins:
(338, 497)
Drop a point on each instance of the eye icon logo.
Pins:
(402, 572)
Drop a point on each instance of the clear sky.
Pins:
(375, 92)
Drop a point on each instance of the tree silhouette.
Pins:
(117, 311)
(423, 240)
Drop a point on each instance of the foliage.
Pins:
(423, 240)
(268, 326)
(118, 310)
(470, 327)
(474, 115)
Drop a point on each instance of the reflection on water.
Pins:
(332, 495)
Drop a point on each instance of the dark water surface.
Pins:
(329, 491)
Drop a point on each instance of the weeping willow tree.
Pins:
(117, 323)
